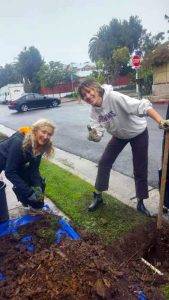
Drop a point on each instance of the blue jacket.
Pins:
(21, 167)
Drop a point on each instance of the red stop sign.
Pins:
(136, 61)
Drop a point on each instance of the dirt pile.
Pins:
(83, 269)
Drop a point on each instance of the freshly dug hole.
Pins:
(84, 269)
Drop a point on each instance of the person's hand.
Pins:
(93, 136)
(38, 192)
(34, 202)
(164, 124)
(33, 198)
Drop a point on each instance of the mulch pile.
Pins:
(83, 269)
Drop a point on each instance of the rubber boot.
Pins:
(97, 200)
(165, 210)
(141, 208)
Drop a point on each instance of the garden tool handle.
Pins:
(163, 179)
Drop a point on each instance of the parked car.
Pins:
(33, 101)
(3, 101)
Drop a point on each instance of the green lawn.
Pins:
(72, 195)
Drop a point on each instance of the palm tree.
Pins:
(98, 45)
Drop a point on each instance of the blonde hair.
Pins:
(30, 138)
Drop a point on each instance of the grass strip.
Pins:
(72, 195)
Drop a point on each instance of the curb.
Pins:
(86, 170)
(162, 101)
(65, 100)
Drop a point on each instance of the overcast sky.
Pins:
(61, 29)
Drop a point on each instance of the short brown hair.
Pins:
(90, 84)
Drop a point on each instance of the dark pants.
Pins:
(2, 164)
(166, 194)
(25, 174)
(139, 146)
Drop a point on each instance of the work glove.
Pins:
(34, 202)
(38, 193)
(93, 135)
(36, 199)
(33, 198)
(164, 124)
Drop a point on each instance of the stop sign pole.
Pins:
(136, 65)
(136, 61)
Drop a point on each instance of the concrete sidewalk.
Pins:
(121, 187)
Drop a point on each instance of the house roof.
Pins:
(86, 66)
(157, 57)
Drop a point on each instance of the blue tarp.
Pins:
(10, 226)
(141, 296)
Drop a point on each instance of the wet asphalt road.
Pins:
(71, 135)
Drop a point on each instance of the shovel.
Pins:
(163, 179)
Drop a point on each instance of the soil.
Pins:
(83, 269)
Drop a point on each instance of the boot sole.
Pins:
(95, 208)
(144, 213)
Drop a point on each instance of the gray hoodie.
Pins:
(121, 115)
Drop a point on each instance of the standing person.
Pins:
(20, 157)
(124, 118)
(166, 194)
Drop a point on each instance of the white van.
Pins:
(11, 92)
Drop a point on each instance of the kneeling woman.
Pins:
(20, 157)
